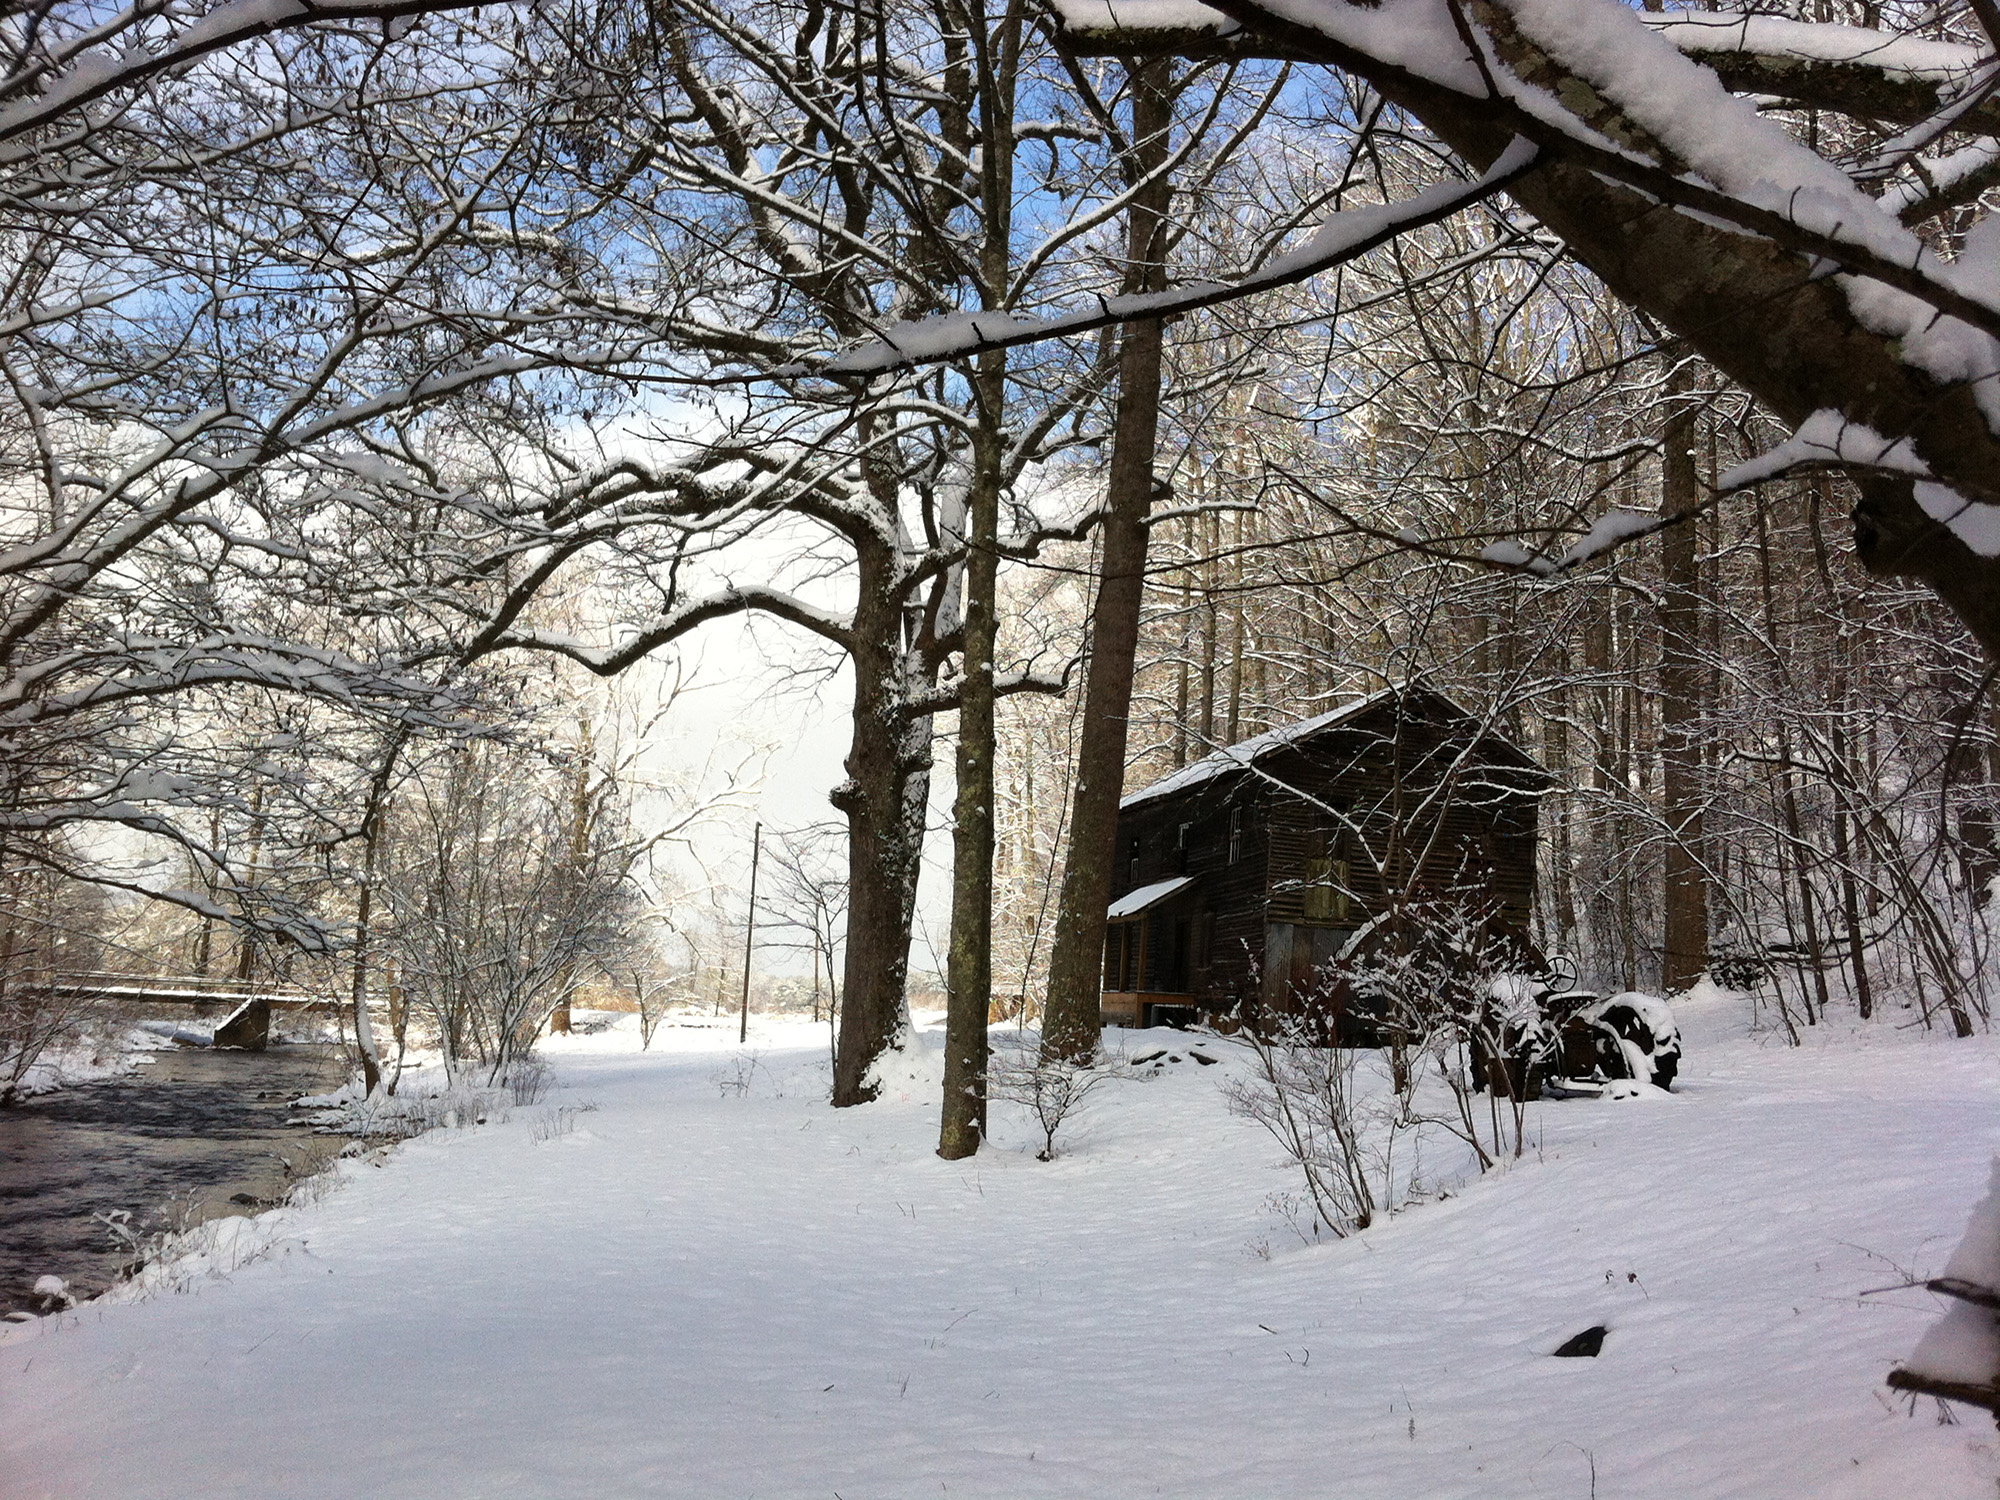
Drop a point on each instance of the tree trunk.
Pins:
(884, 798)
(579, 845)
(1070, 1023)
(969, 981)
(1850, 903)
(1684, 946)
(1209, 631)
(364, 1029)
(1182, 665)
(970, 978)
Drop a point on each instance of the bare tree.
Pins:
(809, 894)
(496, 904)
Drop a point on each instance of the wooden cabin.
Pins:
(1242, 876)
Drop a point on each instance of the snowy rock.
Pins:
(1961, 1348)
(1959, 1355)
(1585, 1345)
(1976, 1261)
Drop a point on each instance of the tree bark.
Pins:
(1071, 1021)
(1684, 955)
(1766, 316)
(884, 797)
(969, 980)
(364, 1029)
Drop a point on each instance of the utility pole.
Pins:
(750, 933)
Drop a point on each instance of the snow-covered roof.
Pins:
(1241, 755)
(1133, 902)
(1238, 756)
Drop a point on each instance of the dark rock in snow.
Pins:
(1585, 1345)
(247, 1027)
(1203, 1058)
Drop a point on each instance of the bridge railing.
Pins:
(111, 985)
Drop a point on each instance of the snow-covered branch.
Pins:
(88, 67)
(637, 641)
(1342, 238)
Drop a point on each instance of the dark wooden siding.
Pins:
(1390, 802)
(1224, 906)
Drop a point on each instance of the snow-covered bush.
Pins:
(1439, 987)
(1313, 1101)
(1053, 1091)
(508, 880)
(428, 1099)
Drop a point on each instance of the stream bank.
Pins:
(185, 1136)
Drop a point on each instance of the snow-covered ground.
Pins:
(87, 1058)
(682, 1274)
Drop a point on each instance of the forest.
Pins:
(401, 396)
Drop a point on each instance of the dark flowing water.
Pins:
(183, 1137)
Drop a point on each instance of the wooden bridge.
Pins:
(187, 991)
(246, 1003)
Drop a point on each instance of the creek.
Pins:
(184, 1136)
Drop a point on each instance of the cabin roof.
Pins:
(1133, 902)
(1240, 757)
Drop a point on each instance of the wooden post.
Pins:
(750, 933)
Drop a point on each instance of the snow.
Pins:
(1613, 528)
(1662, 1044)
(1508, 554)
(1699, 32)
(1240, 755)
(1655, 1012)
(86, 1059)
(1516, 999)
(1976, 1261)
(239, 18)
(1961, 1348)
(1133, 902)
(1827, 437)
(717, 1286)
(1974, 522)
(1417, 35)
(1098, 16)
(1939, 174)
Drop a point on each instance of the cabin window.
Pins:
(1132, 858)
(1181, 848)
(1326, 890)
(1235, 834)
(1319, 890)
(1114, 956)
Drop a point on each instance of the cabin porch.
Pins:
(1147, 956)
